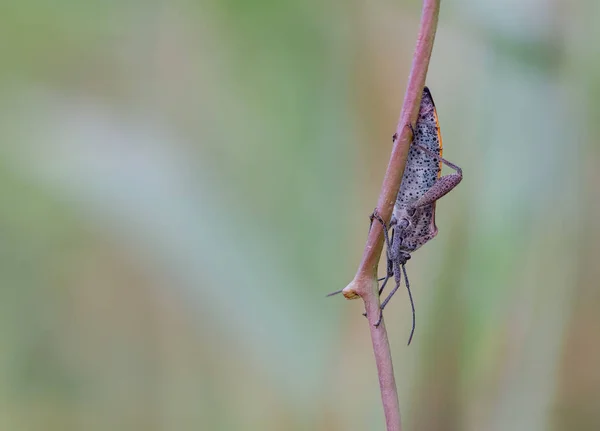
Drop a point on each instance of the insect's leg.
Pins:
(389, 265)
(443, 185)
(389, 249)
(412, 129)
(385, 279)
(388, 243)
(437, 156)
(376, 216)
(412, 304)
(372, 217)
(390, 273)
(398, 278)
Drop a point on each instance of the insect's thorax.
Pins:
(421, 228)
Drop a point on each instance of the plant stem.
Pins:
(365, 284)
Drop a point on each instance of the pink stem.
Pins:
(365, 280)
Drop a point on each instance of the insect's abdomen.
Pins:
(421, 170)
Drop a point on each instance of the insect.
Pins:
(413, 217)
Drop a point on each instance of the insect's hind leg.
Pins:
(432, 153)
(443, 185)
(437, 156)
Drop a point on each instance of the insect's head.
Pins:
(401, 230)
(404, 256)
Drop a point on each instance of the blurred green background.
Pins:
(181, 184)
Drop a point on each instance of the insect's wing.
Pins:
(422, 170)
(426, 107)
(433, 135)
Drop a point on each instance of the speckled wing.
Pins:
(421, 172)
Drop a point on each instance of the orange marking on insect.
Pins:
(439, 135)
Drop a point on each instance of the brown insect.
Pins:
(413, 218)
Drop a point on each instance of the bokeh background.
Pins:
(181, 184)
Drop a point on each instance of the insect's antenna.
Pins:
(412, 304)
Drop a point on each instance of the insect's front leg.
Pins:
(388, 243)
(389, 248)
(389, 266)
